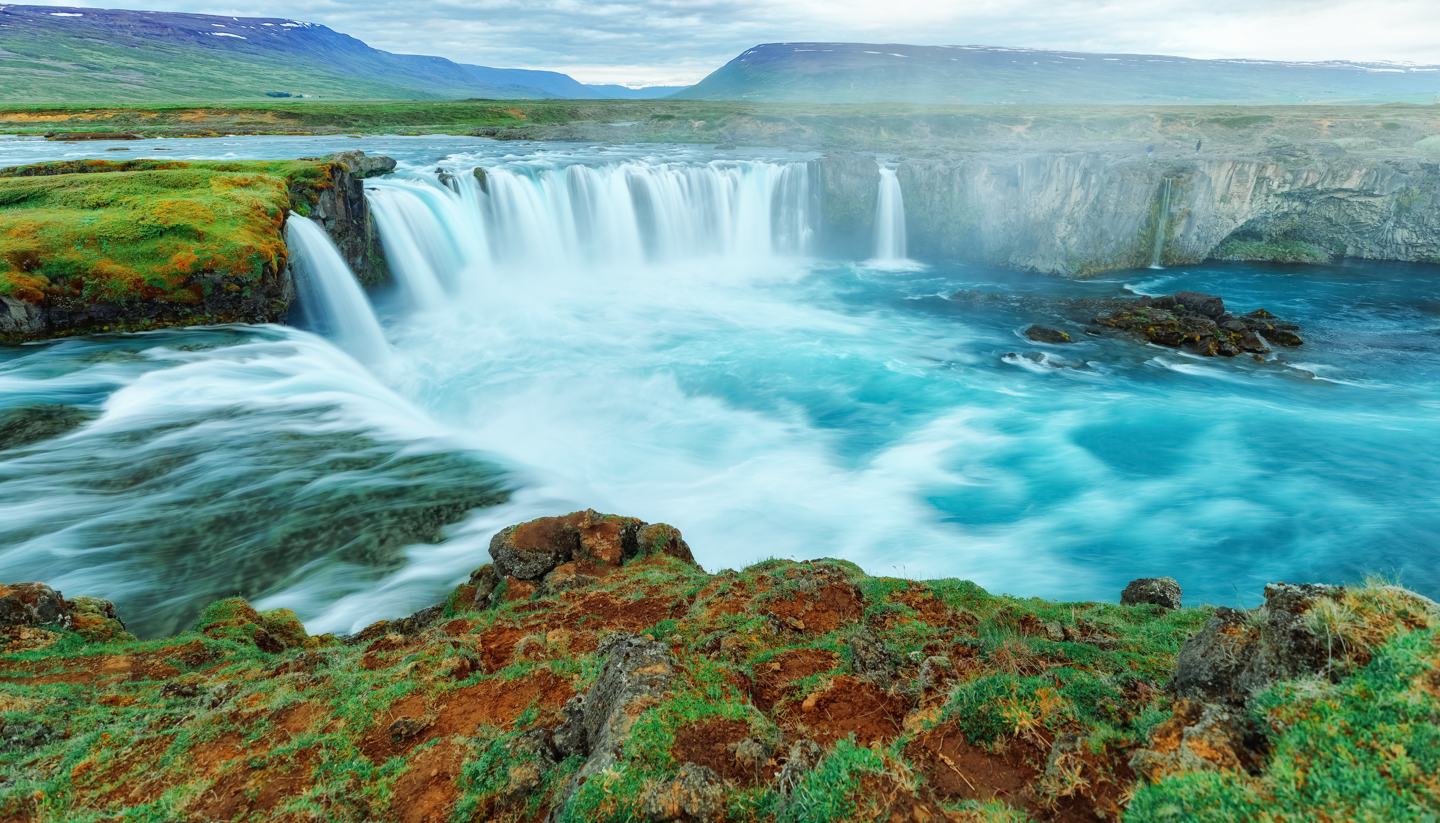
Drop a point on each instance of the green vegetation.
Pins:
(1275, 250)
(799, 692)
(176, 237)
(923, 128)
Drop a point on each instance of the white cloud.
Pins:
(679, 41)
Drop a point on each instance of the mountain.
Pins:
(54, 54)
(870, 73)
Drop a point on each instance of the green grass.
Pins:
(1367, 748)
(90, 232)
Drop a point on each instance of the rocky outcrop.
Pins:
(342, 210)
(1081, 213)
(26, 606)
(1200, 324)
(1154, 591)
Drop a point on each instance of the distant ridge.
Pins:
(871, 73)
(52, 54)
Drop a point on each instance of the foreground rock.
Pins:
(1155, 591)
(1199, 324)
(594, 672)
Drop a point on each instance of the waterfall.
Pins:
(889, 220)
(1162, 223)
(438, 237)
(330, 296)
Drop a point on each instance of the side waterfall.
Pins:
(330, 296)
(1162, 225)
(889, 220)
(438, 232)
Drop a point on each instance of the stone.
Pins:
(872, 659)
(1156, 591)
(32, 604)
(1046, 334)
(1237, 654)
(637, 671)
(803, 755)
(694, 793)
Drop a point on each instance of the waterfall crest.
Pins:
(890, 240)
(330, 296)
(440, 229)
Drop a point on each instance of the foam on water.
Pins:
(592, 344)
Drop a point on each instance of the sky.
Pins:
(677, 42)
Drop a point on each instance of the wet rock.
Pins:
(1198, 323)
(636, 673)
(694, 793)
(363, 165)
(1046, 334)
(1156, 591)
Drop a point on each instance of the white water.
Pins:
(890, 238)
(329, 294)
(444, 235)
(1162, 225)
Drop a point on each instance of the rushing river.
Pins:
(653, 331)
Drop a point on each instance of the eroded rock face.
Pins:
(1046, 334)
(1156, 591)
(636, 673)
(342, 210)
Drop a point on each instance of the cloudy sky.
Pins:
(679, 41)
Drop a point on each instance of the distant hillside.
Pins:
(867, 73)
(55, 55)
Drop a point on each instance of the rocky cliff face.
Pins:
(341, 209)
(1087, 212)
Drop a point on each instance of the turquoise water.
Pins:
(776, 406)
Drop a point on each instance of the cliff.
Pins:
(1080, 213)
(593, 672)
(88, 246)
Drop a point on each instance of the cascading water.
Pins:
(890, 240)
(330, 297)
(586, 217)
(642, 330)
(1162, 223)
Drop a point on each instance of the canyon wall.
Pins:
(1081, 213)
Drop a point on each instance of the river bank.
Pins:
(594, 672)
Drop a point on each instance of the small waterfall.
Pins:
(1162, 225)
(889, 221)
(330, 296)
(578, 218)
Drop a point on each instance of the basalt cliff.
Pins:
(1084, 212)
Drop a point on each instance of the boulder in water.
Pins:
(1199, 323)
(1046, 334)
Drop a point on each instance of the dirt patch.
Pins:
(211, 756)
(774, 677)
(604, 612)
(242, 791)
(712, 743)
(91, 780)
(958, 770)
(398, 730)
(426, 792)
(849, 706)
(929, 609)
(498, 702)
(496, 646)
(298, 718)
(882, 797)
(819, 602)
